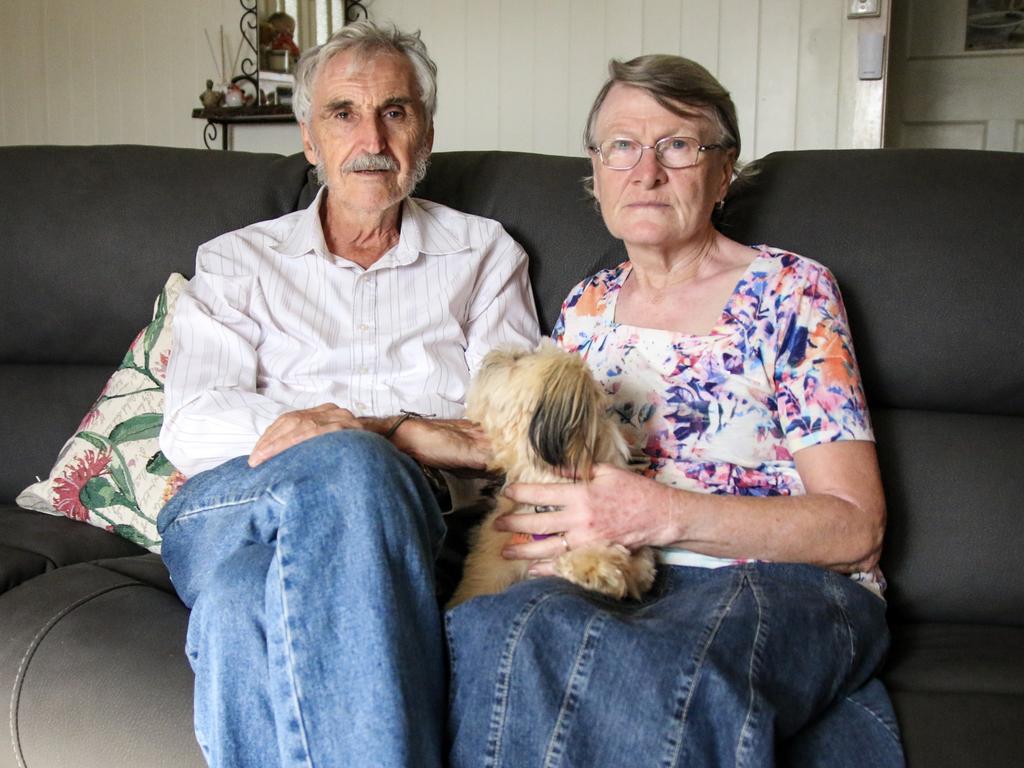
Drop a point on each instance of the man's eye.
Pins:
(623, 144)
(394, 113)
(678, 143)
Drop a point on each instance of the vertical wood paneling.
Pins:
(551, 77)
(699, 32)
(817, 98)
(738, 56)
(516, 75)
(662, 21)
(482, 61)
(624, 28)
(56, 63)
(23, 94)
(131, 80)
(454, 99)
(80, 109)
(513, 74)
(779, 47)
(588, 67)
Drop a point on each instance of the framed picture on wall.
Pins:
(994, 25)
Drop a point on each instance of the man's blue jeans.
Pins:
(750, 665)
(315, 635)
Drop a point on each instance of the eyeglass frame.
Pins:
(657, 155)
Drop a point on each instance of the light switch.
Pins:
(870, 55)
(859, 8)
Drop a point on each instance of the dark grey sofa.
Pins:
(927, 246)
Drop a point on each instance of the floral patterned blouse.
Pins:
(724, 413)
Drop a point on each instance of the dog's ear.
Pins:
(563, 429)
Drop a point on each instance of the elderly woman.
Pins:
(733, 370)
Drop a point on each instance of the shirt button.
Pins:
(364, 327)
(363, 369)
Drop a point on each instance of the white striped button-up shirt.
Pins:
(273, 322)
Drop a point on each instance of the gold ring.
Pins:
(565, 542)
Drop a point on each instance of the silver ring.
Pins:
(565, 542)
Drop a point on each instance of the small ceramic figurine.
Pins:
(210, 98)
(233, 96)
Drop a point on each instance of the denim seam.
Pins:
(575, 688)
(220, 505)
(839, 598)
(742, 755)
(500, 710)
(452, 660)
(287, 636)
(710, 633)
(879, 719)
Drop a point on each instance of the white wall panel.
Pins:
(738, 55)
(699, 32)
(777, 77)
(514, 74)
(817, 95)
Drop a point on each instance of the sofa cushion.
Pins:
(32, 544)
(111, 472)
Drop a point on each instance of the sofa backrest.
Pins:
(925, 246)
(88, 235)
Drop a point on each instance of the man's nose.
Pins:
(372, 135)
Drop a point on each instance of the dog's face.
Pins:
(541, 409)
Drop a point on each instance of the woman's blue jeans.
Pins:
(315, 635)
(750, 665)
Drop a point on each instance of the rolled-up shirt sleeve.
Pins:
(213, 411)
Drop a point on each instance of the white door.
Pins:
(942, 94)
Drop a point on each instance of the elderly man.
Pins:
(305, 540)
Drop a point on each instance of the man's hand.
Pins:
(294, 427)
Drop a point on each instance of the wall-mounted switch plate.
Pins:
(859, 8)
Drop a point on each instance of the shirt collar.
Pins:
(421, 233)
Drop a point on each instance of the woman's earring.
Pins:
(720, 205)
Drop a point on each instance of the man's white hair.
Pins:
(368, 39)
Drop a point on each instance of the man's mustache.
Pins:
(370, 162)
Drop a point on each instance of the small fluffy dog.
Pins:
(543, 410)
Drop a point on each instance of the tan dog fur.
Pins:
(546, 402)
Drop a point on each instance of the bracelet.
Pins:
(402, 419)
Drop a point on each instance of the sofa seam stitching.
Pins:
(30, 652)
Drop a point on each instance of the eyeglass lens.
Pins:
(672, 152)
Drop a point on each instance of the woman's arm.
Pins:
(838, 524)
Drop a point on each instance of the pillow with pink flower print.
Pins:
(111, 472)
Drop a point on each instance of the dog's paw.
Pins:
(611, 570)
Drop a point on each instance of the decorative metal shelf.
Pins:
(225, 117)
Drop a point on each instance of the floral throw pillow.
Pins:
(111, 473)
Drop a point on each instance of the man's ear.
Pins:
(429, 143)
(308, 147)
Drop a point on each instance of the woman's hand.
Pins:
(615, 506)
